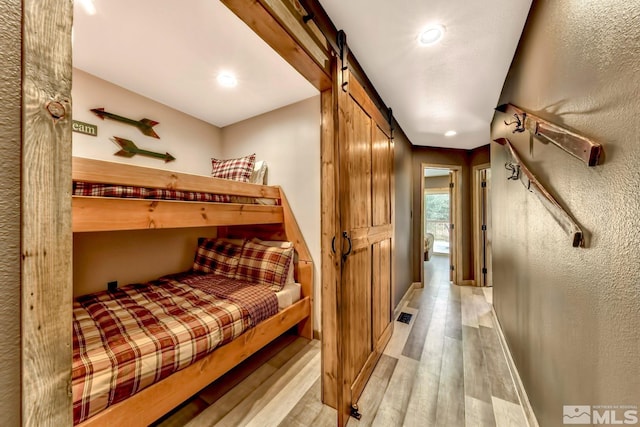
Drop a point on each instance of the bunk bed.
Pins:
(247, 220)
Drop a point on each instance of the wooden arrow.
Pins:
(129, 149)
(145, 125)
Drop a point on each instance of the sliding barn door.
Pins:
(365, 207)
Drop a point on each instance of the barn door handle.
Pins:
(346, 254)
(333, 244)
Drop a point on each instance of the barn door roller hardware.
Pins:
(574, 144)
(355, 412)
(341, 40)
(519, 171)
(390, 119)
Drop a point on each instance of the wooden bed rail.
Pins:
(111, 214)
(99, 171)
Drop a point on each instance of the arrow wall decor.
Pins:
(145, 125)
(130, 149)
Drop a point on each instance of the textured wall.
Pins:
(403, 224)
(10, 89)
(572, 316)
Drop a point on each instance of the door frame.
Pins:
(46, 242)
(476, 196)
(455, 253)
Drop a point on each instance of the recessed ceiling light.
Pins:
(227, 79)
(431, 35)
(450, 133)
(88, 7)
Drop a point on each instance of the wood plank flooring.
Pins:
(445, 368)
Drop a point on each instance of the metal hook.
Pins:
(514, 169)
(519, 122)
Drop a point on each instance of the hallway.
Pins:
(445, 368)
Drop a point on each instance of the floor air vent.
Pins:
(404, 317)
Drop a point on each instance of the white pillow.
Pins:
(259, 173)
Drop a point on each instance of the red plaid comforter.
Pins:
(126, 340)
(109, 190)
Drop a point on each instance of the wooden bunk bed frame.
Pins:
(233, 220)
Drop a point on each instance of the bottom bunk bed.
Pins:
(143, 349)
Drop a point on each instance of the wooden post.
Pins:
(46, 244)
(10, 141)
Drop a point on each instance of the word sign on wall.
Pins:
(85, 128)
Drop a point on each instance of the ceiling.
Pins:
(452, 85)
(172, 54)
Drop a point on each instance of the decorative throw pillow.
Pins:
(282, 245)
(235, 169)
(217, 256)
(264, 264)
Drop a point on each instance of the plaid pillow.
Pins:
(235, 169)
(265, 265)
(217, 256)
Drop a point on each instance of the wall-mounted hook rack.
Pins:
(520, 171)
(577, 145)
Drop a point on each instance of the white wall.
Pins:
(132, 256)
(191, 141)
(289, 140)
(136, 256)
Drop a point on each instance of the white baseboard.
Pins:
(405, 298)
(515, 376)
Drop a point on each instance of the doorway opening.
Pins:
(437, 218)
(440, 216)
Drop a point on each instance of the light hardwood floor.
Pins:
(445, 368)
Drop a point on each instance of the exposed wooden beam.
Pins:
(258, 18)
(46, 244)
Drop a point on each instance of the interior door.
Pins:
(452, 227)
(486, 221)
(366, 233)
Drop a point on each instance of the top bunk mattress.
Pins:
(88, 189)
